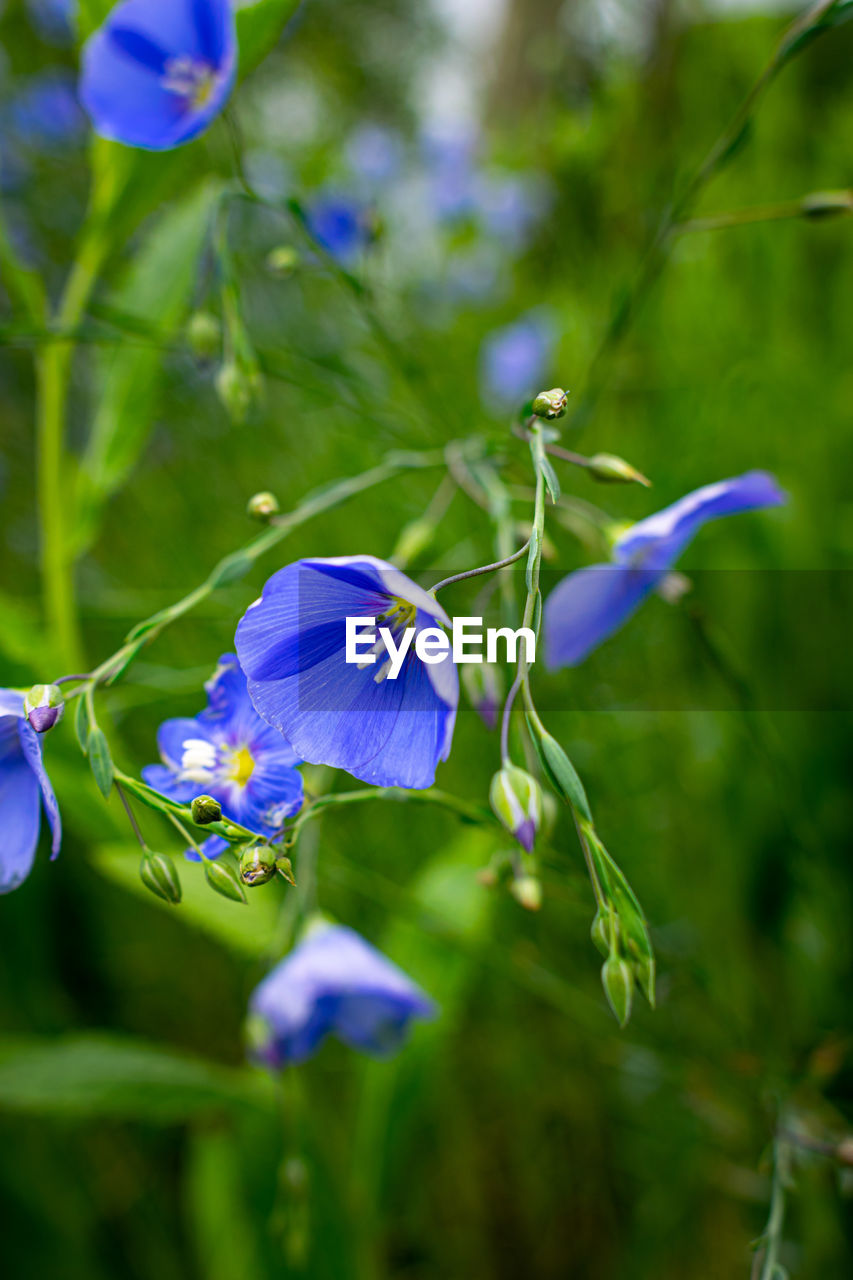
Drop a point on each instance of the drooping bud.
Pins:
(551, 404)
(827, 204)
(483, 683)
(600, 932)
(283, 260)
(158, 873)
(205, 809)
(609, 469)
(236, 388)
(43, 706)
(204, 335)
(517, 801)
(284, 867)
(257, 864)
(618, 982)
(224, 881)
(262, 506)
(527, 891)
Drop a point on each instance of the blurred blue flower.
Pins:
(158, 71)
(590, 604)
(53, 19)
(510, 205)
(374, 153)
(46, 112)
(514, 360)
(229, 753)
(24, 788)
(340, 224)
(291, 644)
(332, 982)
(449, 155)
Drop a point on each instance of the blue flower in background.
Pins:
(332, 982)
(589, 605)
(229, 753)
(448, 153)
(46, 111)
(514, 360)
(291, 644)
(158, 71)
(24, 788)
(374, 153)
(340, 225)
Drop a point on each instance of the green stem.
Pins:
(470, 812)
(180, 813)
(53, 373)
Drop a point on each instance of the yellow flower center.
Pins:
(241, 766)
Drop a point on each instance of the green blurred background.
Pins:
(522, 1133)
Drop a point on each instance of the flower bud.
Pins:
(262, 506)
(284, 867)
(483, 683)
(236, 388)
(618, 982)
(157, 873)
(517, 801)
(527, 891)
(43, 706)
(551, 404)
(827, 204)
(600, 933)
(205, 809)
(204, 335)
(609, 469)
(257, 864)
(224, 881)
(283, 260)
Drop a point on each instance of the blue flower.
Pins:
(340, 225)
(514, 360)
(589, 605)
(334, 982)
(24, 788)
(158, 71)
(374, 154)
(291, 644)
(46, 111)
(229, 753)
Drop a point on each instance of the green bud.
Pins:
(551, 404)
(618, 982)
(224, 881)
(516, 799)
(262, 506)
(284, 867)
(205, 809)
(237, 388)
(609, 469)
(644, 971)
(157, 873)
(600, 932)
(204, 335)
(283, 260)
(527, 891)
(827, 204)
(43, 706)
(257, 864)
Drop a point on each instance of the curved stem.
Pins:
(473, 813)
(486, 568)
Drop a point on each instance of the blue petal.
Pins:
(588, 606)
(334, 980)
(31, 747)
(658, 541)
(172, 735)
(274, 792)
(164, 780)
(20, 816)
(231, 717)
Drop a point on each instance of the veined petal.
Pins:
(31, 747)
(274, 792)
(164, 779)
(658, 541)
(588, 606)
(172, 735)
(20, 816)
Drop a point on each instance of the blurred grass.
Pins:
(521, 1133)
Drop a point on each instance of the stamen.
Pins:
(198, 760)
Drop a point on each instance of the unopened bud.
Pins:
(236, 389)
(517, 801)
(257, 864)
(262, 506)
(43, 706)
(827, 204)
(527, 891)
(283, 260)
(618, 982)
(204, 335)
(284, 867)
(224, 881)
(158, 873)
(551, 404)
(609, 469)
(205, 809)
(483, 683)
(600, 933)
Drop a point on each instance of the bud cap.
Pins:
(551, 404)
(43, 706)
(205, 809)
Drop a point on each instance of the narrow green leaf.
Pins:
(231, 569)
(100, 760)
(81, 724)
(549, 475)
(559, 770)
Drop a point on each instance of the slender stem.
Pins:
(185, 835)
(470, 812)
(486, 568)
(816, 207)
(53, 373)
(769, 1258)
(507, 713)
(130, 815)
